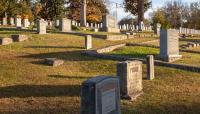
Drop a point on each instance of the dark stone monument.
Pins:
(100, 95)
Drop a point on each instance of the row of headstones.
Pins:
(190, 45)
(89, 25)
(101, 94)
(188, 31)
(16, 21)
(134, 27)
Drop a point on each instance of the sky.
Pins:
(155, 4)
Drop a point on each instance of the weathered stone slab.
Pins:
(130, 75)
(100, 95)
(169, 45)
(150, 67)
(53, 62)
(41, 26)
(19, 38)
(6, 41)
(110, 24)
(88, 42)
(65, 25)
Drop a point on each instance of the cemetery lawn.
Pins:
(28, 86)
(141, 52)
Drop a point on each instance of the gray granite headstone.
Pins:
(130, 75)
(150, 67)
(65, 25)
(110, 24)
(100, 95)
(88, 42)
(41, 26)
(169, 45)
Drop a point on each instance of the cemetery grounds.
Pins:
(28, 86)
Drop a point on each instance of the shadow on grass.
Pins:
(23, 91)
(40, 47)
(67, 56)
(68, 77)
(132, 55)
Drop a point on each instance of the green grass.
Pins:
(29, 86)
(135, 51)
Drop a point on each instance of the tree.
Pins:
(132, 6)
(95, 10)
(52, 9)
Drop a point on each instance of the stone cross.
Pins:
(100, 95)
(130, 76)
(150, 67)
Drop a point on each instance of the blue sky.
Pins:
(156, 4)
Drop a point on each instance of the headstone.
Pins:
(96, 30)
(26, 23)
(53, 62)
(88, 42)
(12, 21)
(5, 41)
(57, 23)
(110, 24)
(19, 38)
(4, 22)
(100, 95)
(18, 22)
(65, 25)
(150, 67)
(169, 45)
(41, 27)
(130, 75)
(157, 28)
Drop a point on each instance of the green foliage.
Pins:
(132, 6)
(52, 9)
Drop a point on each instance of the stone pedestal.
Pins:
(41, 26)
(65, 25)
(169, 45)
(100, 95)
(88, 42)
(130, 75)
(150, 67)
